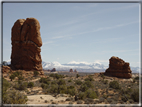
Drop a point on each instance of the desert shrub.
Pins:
(57, 76)
(114, 84)
(82, 95)
(14, 97)
(30, 84)
(44, 80)
(90, 78)
(124, 98)
(136, 78)
(71, 91)
(17, 73)
(83, 88)
(78, 82)
(53, 83)
(62, 89)
(135, 95)
(21, 86)
(105, 81)
(70, 87)
(103, 77)
(44, 86)
(48, 79)
(61, 82)
(88, 84)
(36, 73)
(12, 77)
(53, 89)
(70, 80)
(77, 75)
(91, 94)
(5, 86)
(127, 91)
(20, 77)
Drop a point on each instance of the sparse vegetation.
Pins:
(79, 89)
(36, 73)
(30, 84)
(114, 84)
(78, 82)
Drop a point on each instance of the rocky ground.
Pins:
(74, 90)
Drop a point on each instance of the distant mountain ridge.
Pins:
(79, 66)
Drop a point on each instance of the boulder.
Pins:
(118, 68)
(26, 43)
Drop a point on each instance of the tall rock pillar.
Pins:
(26, 43)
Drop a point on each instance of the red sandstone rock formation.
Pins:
(53, 70)
(26, 43)
(75, 71)
(118, 68)
(71, 70)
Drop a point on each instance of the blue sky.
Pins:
(90, 32)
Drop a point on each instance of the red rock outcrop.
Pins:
(71, 70)
(6, 69)
(26, 43)
(118, 68)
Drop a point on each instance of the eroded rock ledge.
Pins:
(26, 43)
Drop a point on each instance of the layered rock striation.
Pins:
(26, 43)
(118, 68)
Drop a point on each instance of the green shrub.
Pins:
(83, 88)
(5, 86)
(12, 77)
(61, 82)
(135, 95)
(136, 78)
(70, 87)
(91, 94)
(114, 84)
(44, 80)
(53, 89)
(88, 84)
(90, 78)
(77, 75)
(78, 82)
(57, 76)
(62, 89)
(70, 80)
(82, 95)
(105, 81)
(17, 73)
(21, 86)
(44, 86)
(53, 83)
(30, 84)
(71, 91)
(36, 73)
(14, 97)
(20, 77)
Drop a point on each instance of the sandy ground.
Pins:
(40, 99)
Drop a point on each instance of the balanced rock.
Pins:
(118, 68)
(26, 43)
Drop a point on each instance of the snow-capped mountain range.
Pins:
(79, 66)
